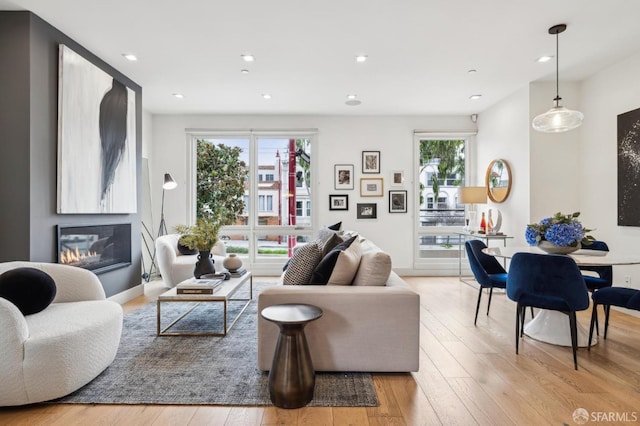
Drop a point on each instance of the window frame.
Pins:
(253, 230)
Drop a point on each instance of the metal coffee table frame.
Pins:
(221, 295)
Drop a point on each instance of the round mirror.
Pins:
(498, 180)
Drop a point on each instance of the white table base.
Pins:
(553, 327)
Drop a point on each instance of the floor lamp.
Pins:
(472, 195)
(168, 185)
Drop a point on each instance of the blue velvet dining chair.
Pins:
(623, 297)
(605, 273)
(487, 271)
(551, 282)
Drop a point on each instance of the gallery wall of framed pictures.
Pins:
(370, 187)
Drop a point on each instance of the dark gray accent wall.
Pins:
(28, 147)
(14, 136)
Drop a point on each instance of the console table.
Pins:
(465, 236)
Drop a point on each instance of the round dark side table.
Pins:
(292, 377)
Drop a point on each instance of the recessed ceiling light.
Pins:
(472, 71)
(266, 96)
(544, 58)
(245, 71)
(361, 58)
(248, 58)
(130, 57)
(351, 96)
(474, 97)
(178, 95)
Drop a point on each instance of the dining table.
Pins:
(553, 326)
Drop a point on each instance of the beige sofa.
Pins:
(363, 328)
(175, 267)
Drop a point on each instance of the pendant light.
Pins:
(557, 119)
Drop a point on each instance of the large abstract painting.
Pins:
(96, 139)
(629, 168)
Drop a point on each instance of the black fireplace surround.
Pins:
(99, 248)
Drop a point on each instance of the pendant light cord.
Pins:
(557, 99)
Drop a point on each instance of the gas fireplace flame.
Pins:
(73, 257)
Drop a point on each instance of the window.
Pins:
(277, 189)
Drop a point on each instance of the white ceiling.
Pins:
(419, 50)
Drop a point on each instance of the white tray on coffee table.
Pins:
(222, 294)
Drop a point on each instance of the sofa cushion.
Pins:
(302, 263)
(340, 265)
(30, 289)
(374, 269)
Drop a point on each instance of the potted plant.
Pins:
(202, 236)
(221, 177)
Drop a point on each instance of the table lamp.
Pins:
(472, 195)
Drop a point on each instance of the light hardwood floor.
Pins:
(468, 375)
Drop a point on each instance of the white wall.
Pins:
(503, 132)
(341, 140)
(612, 91)
(554, 157)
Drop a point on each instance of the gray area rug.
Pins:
(186, 370)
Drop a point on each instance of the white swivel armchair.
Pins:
(56, 351)
(176, 267)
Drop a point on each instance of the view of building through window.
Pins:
(277, 195)
(441, 171)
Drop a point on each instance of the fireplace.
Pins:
(99, 248)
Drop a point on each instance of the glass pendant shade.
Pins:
(557, 119)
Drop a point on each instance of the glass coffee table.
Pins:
(222, 294)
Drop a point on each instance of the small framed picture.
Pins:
(371, 187)
(397, 201)
(338, 202)
(397, 178)
(367, 211)
(370, 161)
(343, 176)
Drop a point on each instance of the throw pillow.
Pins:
(302, 264)
(347, 265)
(330, 243)
(30, 289)
(335, 226)
(326, 231)
(374, 269)
(340, 262)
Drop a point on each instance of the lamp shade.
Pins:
(169, 183)
(557, 119)
(472, 194)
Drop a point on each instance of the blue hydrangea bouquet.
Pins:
(560, 230)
